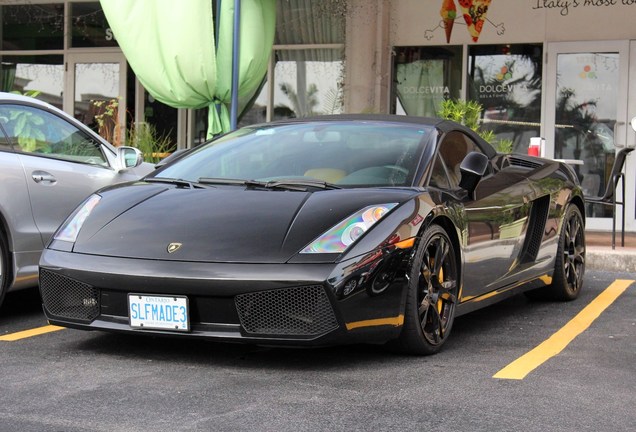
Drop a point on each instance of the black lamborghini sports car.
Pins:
(339, 229)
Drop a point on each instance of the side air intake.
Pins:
(536, 228)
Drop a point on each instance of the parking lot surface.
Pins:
(69, 380)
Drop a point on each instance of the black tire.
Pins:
(569, 267)
(4, 267)
(432, 295)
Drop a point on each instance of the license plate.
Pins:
(158, 312)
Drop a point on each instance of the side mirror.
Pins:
(473, 168)
(634, 123)
(129, 157)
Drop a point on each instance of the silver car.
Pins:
(49, 163)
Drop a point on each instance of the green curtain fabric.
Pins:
(170, 46)
(420, 87)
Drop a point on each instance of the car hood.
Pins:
(219, 224)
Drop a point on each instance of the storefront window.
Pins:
(32, 27)
(424, 77)
(42, 73)
(322, 81)
(97, 97)
(306, 22)
(306, 86)
(309, 66)
(585, 116)
(89, 26)
(200, 127)
(162, 117)
(309, 72)
(506, 81)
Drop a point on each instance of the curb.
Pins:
(613, 260)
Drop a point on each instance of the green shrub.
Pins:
(468, 113)
(145, 137)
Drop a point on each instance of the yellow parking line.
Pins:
(29, 333)
(525, 364)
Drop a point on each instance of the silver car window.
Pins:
(38, 132)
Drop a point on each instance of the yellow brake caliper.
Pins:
(440, 277)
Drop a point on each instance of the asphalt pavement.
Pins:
(76, 381)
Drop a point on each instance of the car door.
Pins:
(15, 208)
(62, 164)
(495, 219)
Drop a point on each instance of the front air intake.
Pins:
(290, 312)
(68, 298)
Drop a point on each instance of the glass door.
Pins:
(586, 116)
(96, 93)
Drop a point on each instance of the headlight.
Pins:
(71, 228)
(339, 237)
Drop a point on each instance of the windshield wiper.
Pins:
(308, 183)
(228, 181)
(250, 183)
(290, 184)
(177, 182)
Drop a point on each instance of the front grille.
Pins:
(68, 298)
(301, 311)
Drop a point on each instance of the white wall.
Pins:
(417, 22)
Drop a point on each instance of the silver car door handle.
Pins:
(43, 177)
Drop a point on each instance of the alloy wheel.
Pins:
(574, 252)
(437, 294)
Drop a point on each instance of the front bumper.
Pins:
(300, 304)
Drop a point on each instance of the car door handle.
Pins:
(43, 177)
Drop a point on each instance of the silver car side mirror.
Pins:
(129, 157)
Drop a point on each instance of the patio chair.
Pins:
(609, 197)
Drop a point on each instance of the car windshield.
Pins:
(342, 153)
